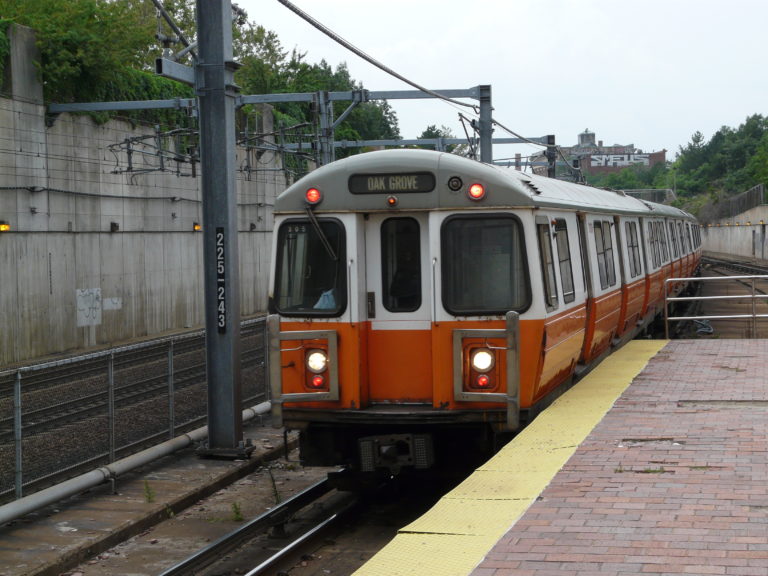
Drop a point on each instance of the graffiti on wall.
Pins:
(610, 160)
(88, 306)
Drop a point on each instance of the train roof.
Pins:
(426, 180)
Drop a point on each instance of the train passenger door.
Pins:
(399, 301)
(564, 299)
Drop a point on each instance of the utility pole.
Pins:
(551, 155)
(216, 92)
(325, 113)
(486, 124)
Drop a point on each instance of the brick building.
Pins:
(595, 158)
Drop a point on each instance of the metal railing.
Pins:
(61, 418)
(754, 296)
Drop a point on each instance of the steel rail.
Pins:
(278, 515)
(752, 296)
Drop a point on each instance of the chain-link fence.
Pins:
(733, 206)
(64, 418)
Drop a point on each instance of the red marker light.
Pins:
(318, 381)
(483, 381)
(313, 196)
(476, 192)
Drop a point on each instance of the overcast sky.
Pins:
(647, 73)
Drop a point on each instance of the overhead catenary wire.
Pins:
(579, 173)
(349, 46)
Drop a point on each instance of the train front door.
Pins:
(399, 301)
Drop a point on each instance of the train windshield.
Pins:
(484, 268)
(310, 278)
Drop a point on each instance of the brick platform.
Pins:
(674, 480)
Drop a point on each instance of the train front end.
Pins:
(394, 339)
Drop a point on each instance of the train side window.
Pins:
(673, 239)
(683, 241)
(564, 258)
(310, 276)
(547, 263)
(633, 249)
(663, 240)
(654, 240)
(484, 268)
(401, 265)
(690, 237)
(604, 248)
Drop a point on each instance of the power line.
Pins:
(336, 38)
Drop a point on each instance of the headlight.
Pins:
(317, 361)
(482, 360)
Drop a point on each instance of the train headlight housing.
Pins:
(317, 361)
(482, 360)
(313, 196)
(476, 192)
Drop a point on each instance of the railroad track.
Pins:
(282, 519)
(96, 404)
(82, 389)
(745, 268)
(727, 302)
(94, 366)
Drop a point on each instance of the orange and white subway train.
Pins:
(420, 302)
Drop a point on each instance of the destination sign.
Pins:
(391, 183)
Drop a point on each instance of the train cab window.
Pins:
(484, 269)
(564, 259)
(310, 278)
(401, 264)
(633, 249)
(547, 263)
(604, 248)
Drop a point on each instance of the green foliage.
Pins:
(82, 42)
(276, 74)
(149, 493)
(237, 513)
(130, 84)
(104, 50)
(705, 172)
(733, 160)
(633, 178)
(432, 131)
(5, 46)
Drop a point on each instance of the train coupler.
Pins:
(396, 451)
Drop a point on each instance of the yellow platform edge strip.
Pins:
(455, 535)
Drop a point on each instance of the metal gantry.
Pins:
(212, 75)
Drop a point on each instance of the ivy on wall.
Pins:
(5, 46)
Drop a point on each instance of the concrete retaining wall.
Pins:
(97, 255)
(743, 235)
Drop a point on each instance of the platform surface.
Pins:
(668, 475)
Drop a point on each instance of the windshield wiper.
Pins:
(321, 234)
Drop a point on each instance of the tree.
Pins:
(432, 131)
(83, 43)
(726, 164)
(102, 50)
(757, 166)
